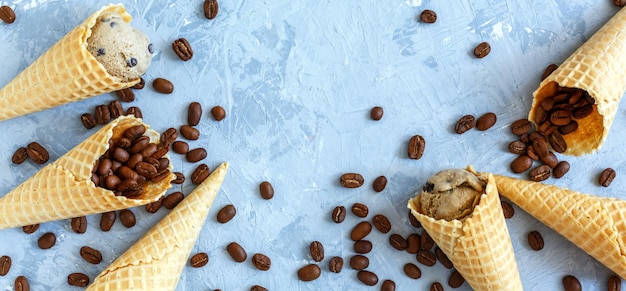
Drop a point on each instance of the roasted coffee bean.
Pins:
(194, 113)
(180, 147)
(88, 120)
(360, 210)
(541, 115)
(37, 153)
(517, 147)
(482, 50)
(535, 240)
(199, 260)
(7, 14)
(557, 142)
(361, 230)
(200, 174)
(412, 271)
(261, 262)
(28, 229)
(267, 190)
(606, 177)
(134, 160)
(486, 121)
(125, 95)
(619, 3)
(417, 145)
(335, 264)
(456, 279)
(196, 155)
(127, 218)
(507, 209)
(549, 69)
(150, 150)
(123, 142)
(550, 159)
(236, 252)
(362, 246)
(414, 222)
(182, 48)
(536, 135)
(258, 288)
(443, 259)
(226, 213)
(569, 128)
(351, 180)
(180, 178)
(376, 113)
(135, 111)
(413, 243)
(426, 258)
(521, 164)
(571, 283)
(582, 112)
(309, 272)
(106, 220)
(171, 200)
(428, 16)
(427, 243)
(210, 9)
(153, 207)
(134, 132)
(5, 265)
(521, 126)
(120, 154)
(547, 128)
(339, 214)
(103, 115)
(47, 240)
(614, 283)
(398, 242)
(20, 155)
(317, 251)
(359, 262)
(368, 278)
(561, 169)
(464, 124)
(381, 223)
(78, 279)
(218, 113)
(436, 287)
(540, 173)
(169, 136)
(91, 255)
(21, 284)
(380, 183)
(547, 103)
(112, 182)
(388, 285)
(140, 84)
(163, 86)
(115, 108)
(530, 152)
(560, 117)
(79, 224)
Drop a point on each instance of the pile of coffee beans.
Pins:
(104, 114)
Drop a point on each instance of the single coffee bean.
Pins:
(550, 159)
(139, 145)
(427, 242)
(441, 257)
(521, 164)
(517, 147)
(413, 243)
(199, 260)
(261, 262)
(189, 132)
(368, 278)
(47, 240)
(19, 156)
(398, 242)
(226, 213)
(236, 252)
(78, 279)
(436, 287)
(535, 240)
(547, 128)
(417, 145)
(360, 210)
(361, 230)
(412, 271)
(335, 264)
(258, 288)
(548, 103)
(28, 229)
(521, 126)
(163, 86)
(21, 284)
(464, 124)
(426, 258)
(182, 48)
(560, 117)
(147, 170)
(179, 178)
(362, 246)
(388, 285)
(507, 209)
(486, 121)
(171, 200)
(351, 180)
(79, 224)
(317, 251)
(135, 111)
(37, 153)
(91, 255)
(339, 214)
(530, 152)
(267, 190)
(5, 265)
(561, 169)
(456, 279)
(540, 173)
(414, 222)
(180, 147)
(127, 218)
(119, 154)
(606, 177)
(194, 113)
(210, 9)
(88, 120)
(359, 262)
(571, 283)
(134, 132)
(482, 50)
(309, 272)
(7, 14)
(125, 95)
(153, 207)
(169, 136)
(200, 174)
(614, 283)
(115, 108)
(380, 183)
(103, 115)
(582, 112)
(428, 16)
(376, 113)
(196, 155)
(218, 113)
(557, 142)
(549, 69)
(381, 223)
(106, 220)
(140, 84)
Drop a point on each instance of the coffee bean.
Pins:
(125, 95)
(163, 86)
(258, 288)
(37, 153)
(199, 260)
(582, 112)
(456, 279)
(361, 230)
(549, 69)
(362, 246)
(335, 264)
(614, 283)
(91, 255)
(464, 124)
(417, 145)
(28, 229)
(267, 190)
(171, 200)
(79, 224)
(482, 50)
(88, 120)
(557, 142)
(189, 132)
(540, 173)
(119, 154)
(194, 113)
(134, 111)
(153, 207)
(339, 214)
(210, 9)
(569, 128)
(412, 271)
(226, 213)
(134, 132)
(398, 242)
(351, 180)
(261, 262)
(606, 177)
(486, 121)
(376, 113)
(517, 147)
(115, 108)
(196, 155)
(19, 156)
(7, 14)
(236, 252)
(360, 210)
(521, 126)
(180, 147)
(106, 220)
(507, 209)
(570, 283)
(548, 103)
(381, 223)
(428, 16)
(388, 285)
(139, 145)
(436, 287)
(179, 178)
(78, 279)
(359, 262)
(560, 117)
(561, 169)
(47, 240)
(309, 272)
(521, 164)
(127, 218)
(21, 284)
(530, 152)
(550, 159)
(368, 278)
(200, 174)
(535, 240)
(218, 113)
(426, 258)
(441, 257)
(380, 183)
(414, 222)
(140, 84)
(413, 243)
(169, 136)
(317, 251)
(103, 115)
(5, 265)
(427, 243)
(182, 48)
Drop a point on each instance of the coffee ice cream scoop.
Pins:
(451, 194)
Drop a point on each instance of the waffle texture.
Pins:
(597, 225)
(479, 246)
(598, 68)
(65, 73)
(63, 189)
(157, 259)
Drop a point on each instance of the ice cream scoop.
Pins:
(451, 194)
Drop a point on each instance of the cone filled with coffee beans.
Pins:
(122, 165)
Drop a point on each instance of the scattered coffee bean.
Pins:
(361, 230)
(362, 246)
(7, 14)
(464, 124)
(441, 257)
(359, 262)
(317, 251)
(606, 177)
(486, 121)
(210, 9)
(456, 279)
(267, 190)
(427, 242)
(376, 113)
(134, 111)
(5, 265)
(194, 113)
(335, 264)
(428, 16)
(19, 156)
(381, 223)
(179, 178)
(106, 220)
(540, 173)
(218, 113)
(412, 271)
(171, 200)
(388, 285)
(78, 280)
(88, 120)
(199, 260)
(417, 145)
(571, 283)
(200, 174)
(535, 240)
(518, 147)
(339, 214)
(47, 240)
(103, 115)
(360, 210)
(482, 50)
(182, 48)
(521, 126)
(561, 169)
(127, 218)
(21, 284)
(521, 164)
(37, 153)
(368, 278)
(436, 287)
(261, 262)
(226, 213)
(125, 95)
(549, 69)
(351, 180)
(196, 155)
(79, 224)
(189, 132)
(398, 242)
(426, 258)
(153, 207)
(91, 255)
(236, 252)
(140, 84)
(413, 243)
(557, 142)
(550, 159)
(180, 147)
(380, 183)
(614, 283)
(414, 222)
(507, 209)
(309, 272)
(162, 85)
(115, 109)
(28, 229)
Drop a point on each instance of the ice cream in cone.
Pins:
(156, 260)
(69, 72)
(65, 189)
(597, 225)
(596, 69)
(461, 211)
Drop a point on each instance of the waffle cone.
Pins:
(156, 260)
(63, 189)
(597, 225)
(598, 68)
(65, 73)
(479, 246)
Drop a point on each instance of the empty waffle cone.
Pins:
(597, 225)
(598, 68)
(63, 189)
(479, 246)
(65, 73)
(156, 260)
